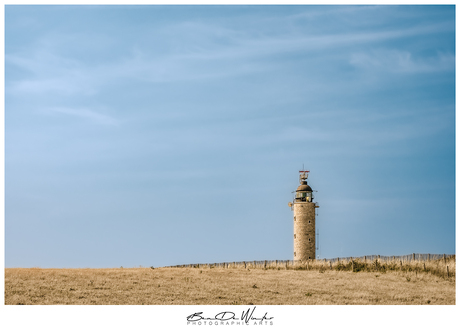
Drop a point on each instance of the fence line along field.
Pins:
(339, 281)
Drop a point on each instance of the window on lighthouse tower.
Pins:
(304, 196)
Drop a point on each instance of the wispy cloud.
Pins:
(402, 61)
(47, 73)
(84, 113)
(201, 51)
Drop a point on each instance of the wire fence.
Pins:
(285, 263)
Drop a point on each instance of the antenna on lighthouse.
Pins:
(303, 176)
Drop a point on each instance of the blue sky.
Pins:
(163, 135)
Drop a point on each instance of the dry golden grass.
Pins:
(205, 285)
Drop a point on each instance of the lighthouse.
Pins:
(304, 220)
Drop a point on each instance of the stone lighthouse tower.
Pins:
(304, 220)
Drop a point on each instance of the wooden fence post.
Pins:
(265, 264)
(330, 265)
(447, 271)
(428, 257)
(444, 257)
(352, 267)
(400, 265)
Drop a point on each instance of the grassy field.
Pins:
(224, 286)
